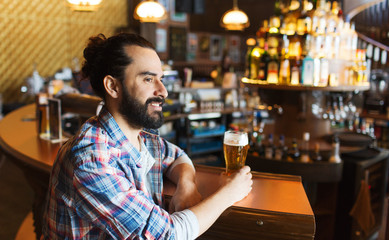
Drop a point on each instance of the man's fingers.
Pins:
(245, 169)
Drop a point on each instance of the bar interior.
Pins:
(307, 80)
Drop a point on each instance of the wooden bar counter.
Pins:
(277, 207)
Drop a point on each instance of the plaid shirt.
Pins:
(96, 190)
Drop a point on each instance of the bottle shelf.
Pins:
(208, 132)
(202, 147)
(384, 117)
(261, 84)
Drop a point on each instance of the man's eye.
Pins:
(149, 79)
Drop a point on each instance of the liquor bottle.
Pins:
(281, 152)
(333, 18)
(284, 75)
(305, 148)
(345, 42)
(260, 149)
(316, 71)
(335, 155)
(263, 30)
(316, 153)
(319, 17)
(339, 27)
(255, 57)
(364, 68)
(307, 70)
(269, 148)
(273, 42)
(306, 45)
(354, 39)
(371, 133)
(272, 67)
(304, 22)
(254, 132)
(276, 19)
(334, 53)
(311, 8)
(324, 72)
(295, 47)
(317, 43)
(327, 46)
(295, 71)
(251, 42)
(294, 152)
(263, 64)
(359, 68)
(290, 20)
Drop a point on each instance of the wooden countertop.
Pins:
(271, 192)
(18, 137)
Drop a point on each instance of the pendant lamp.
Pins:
(149, 11)
(84, 5)
(235, 19)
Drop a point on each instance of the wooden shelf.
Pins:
(196, 114)
(375, 116)
(258, 84)
(194, 89)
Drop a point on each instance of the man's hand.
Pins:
(186, 196)
(238, 185)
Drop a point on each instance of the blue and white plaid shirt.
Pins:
(96, 190)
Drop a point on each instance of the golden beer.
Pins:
(235, 149)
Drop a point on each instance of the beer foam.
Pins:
(234, 139)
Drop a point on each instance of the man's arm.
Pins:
(233, 189)
(186, 194)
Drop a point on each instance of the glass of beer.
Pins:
(235, 146)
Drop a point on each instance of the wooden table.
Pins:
(277, 207)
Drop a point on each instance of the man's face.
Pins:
(143, 90)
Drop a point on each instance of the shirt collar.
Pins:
(116, 134)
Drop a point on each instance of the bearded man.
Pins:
(107, 180)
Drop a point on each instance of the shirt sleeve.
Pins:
(185, 224)
(171, 153)
(182, 159)
(108, 197)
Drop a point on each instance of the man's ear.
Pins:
(112, 86)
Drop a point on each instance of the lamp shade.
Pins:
(149, 11)
(235, 19)
(84, 5)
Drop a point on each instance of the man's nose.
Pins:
(161, 90)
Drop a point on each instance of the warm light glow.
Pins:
(256, 52)
(308, 6)
(275, 21)
(149, 11)
(251, 42)
(235, 19)
(84, 5)
(253, 81)
(273, 30)
(294, 5)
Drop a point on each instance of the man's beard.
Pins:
(136, 113)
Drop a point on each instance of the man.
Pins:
(106, 182)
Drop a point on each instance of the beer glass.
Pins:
(235, 147)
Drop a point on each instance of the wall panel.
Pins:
(48, 33)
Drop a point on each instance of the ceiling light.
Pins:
(84, 5)
(235, 19)
(149, 11)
